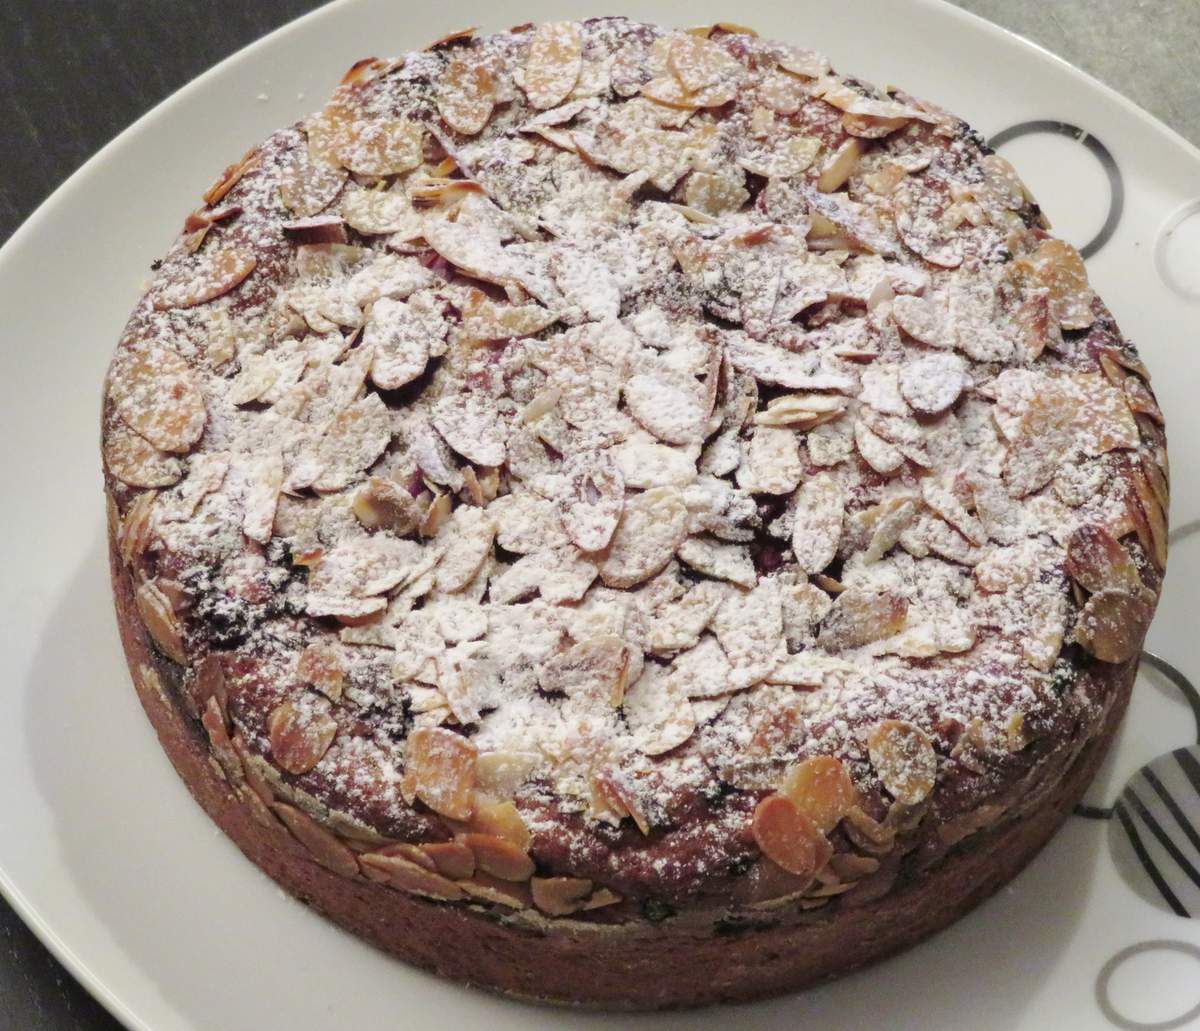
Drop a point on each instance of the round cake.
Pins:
(631, 517)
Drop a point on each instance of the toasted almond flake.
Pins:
(378, 212)
(299, 736)
(878, 453)
(309, 184)
(771, 463)
(483, 320)
(356, 437)
(730, 562)
(326, 848)
(499, 774)
(658, 712)
(670, 407)
(160, 621)
(860, 617)
(595, 668)
(666, 89)
(817, 529)
(452, 859)
(137, 528)
(821, 789)
(410, 877)
(560, 896)
(806, 63)
(703, 672)
(380, 147)
(697, 62)
(652, 526)
(592, 499)
(904, 760)
(921, 319)
(232, 175)
(501, 819)
(553, 63)
(470, 425)
(439, 769)
(1061, 271)
(158, 395)
(466, 95)
(468, 540)
(840, 165)
(771, 364)
(933, 383)
(1099, 562)
(435, 516)
(788, 837)
(715, 194)
(401, 339)
(1113, 623)
(381, 504)
(204, 277)
(750, 629)
(263, 479)
(499, 857)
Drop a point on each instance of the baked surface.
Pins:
(602, 497)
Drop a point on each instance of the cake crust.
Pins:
(598, 497)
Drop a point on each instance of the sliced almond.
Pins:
(885, 458)
(821, 789)
(715, 194)
(806, 63)
(439, 769)
(469, 423)
(453, 859)
(787, 837)
(730, 562)
(904, 760)
(1100, 562)
(401, 338)
(592, 500)
(560, 896)
(160, 621)
(499, 857)
(356, 437)
(652, 526)
(697, 62)
(594, 668)
(228, 179)
(1113, 623)
(380, 146)
(410, 877)
(670, 407)
(309, 184)
(841, 165)
(205, 277)
(326, 848)
(934, 383)
(1060, 269)
(323, 665)
(382, 504)
(553, 63)
(817, 530)
(657, 711)
(135, 461)
(158, 395)
(503, 820)
(860, 617)
(466, 95)
(923, 320)
(300, 735)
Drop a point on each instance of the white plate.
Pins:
(106, 856)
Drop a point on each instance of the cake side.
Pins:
(632, 965)
(632, 485)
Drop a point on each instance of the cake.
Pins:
(630, 517)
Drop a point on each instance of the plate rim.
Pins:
(41, 927)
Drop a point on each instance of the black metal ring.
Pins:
(1116, 184)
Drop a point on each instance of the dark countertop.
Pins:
(74, 73)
